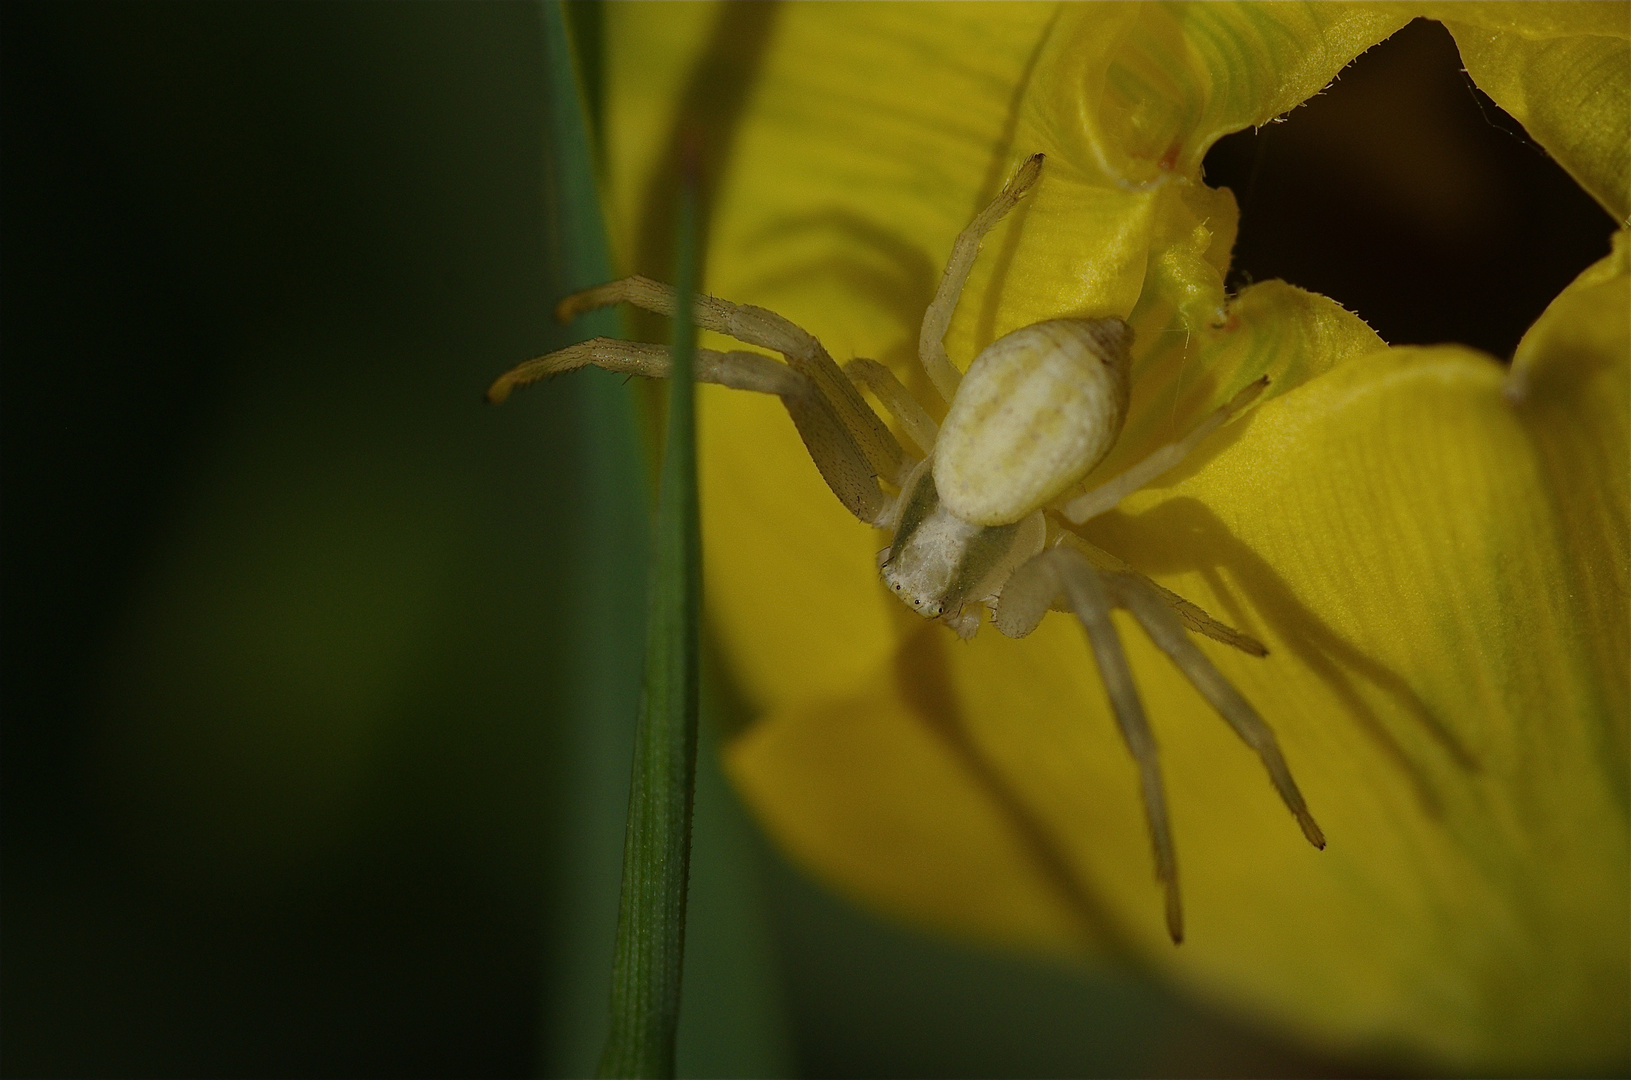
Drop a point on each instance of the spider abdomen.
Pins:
(1036, 410)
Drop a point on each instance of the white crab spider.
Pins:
(980, 518)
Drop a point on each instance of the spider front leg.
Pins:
(738, 370)
(1091, 594)
(931, 339)
(898, 400)
(836, 453)
(768, 330)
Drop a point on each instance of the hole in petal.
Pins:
(1404, 193)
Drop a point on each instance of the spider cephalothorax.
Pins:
(982, 518)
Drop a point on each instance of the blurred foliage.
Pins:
(296, 777)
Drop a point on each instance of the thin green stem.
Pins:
(657, 847)
(604, 601)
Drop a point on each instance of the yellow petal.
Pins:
(1273, 329)
(1388, 530)
(1448, 673)
(1126, 100)
(868, 137)
(1582, 330)
(1568, 377)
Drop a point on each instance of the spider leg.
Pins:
(740, 370)
(831, 445)
(1105, 497)
(1163, 627)
(1192, 615)
(1024, 600)
(766, 329)
(919, 427)
(931, 342)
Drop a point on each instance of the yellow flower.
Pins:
(1434, 551)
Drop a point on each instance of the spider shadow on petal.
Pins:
(707, 119)
(1184, 535)
(923, 676)
(898, 279)
(904, 292)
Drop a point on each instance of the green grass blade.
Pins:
(578, 237)
(606, 600)
(657, 847)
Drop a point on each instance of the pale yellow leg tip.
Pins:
(1026, 175)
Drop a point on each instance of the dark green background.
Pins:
(295, 777)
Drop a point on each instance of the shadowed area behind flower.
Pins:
(1452, 223)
